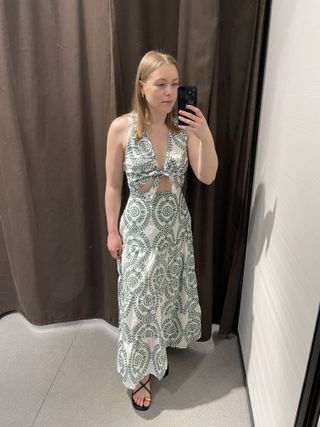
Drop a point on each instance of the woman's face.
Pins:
(161, 88)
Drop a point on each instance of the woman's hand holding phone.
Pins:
(195, 123)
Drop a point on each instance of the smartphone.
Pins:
(187, 95)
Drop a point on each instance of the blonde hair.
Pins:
(149, 63)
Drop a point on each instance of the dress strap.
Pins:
(132, 117)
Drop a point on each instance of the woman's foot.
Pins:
(142, 396)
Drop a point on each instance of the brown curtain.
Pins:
(67, 69)
(243, 42)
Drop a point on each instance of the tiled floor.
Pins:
(64, 375)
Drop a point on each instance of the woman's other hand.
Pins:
(114, 244)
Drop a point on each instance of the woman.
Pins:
(157, 286)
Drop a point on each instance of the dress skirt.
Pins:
(157, 286)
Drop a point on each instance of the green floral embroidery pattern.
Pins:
(157, 285)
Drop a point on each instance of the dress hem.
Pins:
(159, 378)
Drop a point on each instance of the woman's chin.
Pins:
(167, 107)
(164, 108)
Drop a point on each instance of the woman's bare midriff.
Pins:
(165, 185)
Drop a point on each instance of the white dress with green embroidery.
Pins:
(157, 285)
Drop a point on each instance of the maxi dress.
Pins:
(157, 286)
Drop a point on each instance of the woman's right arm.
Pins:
(114, 180)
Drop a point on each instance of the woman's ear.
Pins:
(141, 87)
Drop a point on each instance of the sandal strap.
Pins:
(143, 385)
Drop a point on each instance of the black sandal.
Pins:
(167, 371)
(136, 406)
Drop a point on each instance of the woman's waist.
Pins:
(146, 195)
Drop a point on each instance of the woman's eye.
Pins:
(161, 84)
(175, 84)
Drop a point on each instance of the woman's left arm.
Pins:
(201, 150)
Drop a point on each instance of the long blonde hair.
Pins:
(149, 63)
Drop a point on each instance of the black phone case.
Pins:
(187, 95)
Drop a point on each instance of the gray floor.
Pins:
(65, 375)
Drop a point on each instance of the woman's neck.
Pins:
(156, 118)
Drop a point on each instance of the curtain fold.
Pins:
(18, 220)
(55, 67)
(67, 70)
(243, 26)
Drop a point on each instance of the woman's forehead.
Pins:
(166, 72)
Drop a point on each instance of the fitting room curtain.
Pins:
(67, 69)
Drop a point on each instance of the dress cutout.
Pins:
(157, 285)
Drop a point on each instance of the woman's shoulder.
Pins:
(120, 129)
(120, 123)
(123, 122)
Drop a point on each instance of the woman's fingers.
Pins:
(190, 122)
(185, 116)
(194, 119)
(185, 120)
(115, 250)
(115, 253)
(195, 123)
(196, 110)
(119, 252)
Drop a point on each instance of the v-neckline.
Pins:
(153, 152)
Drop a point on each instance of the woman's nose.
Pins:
(169, 90)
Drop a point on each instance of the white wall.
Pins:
(281, 289)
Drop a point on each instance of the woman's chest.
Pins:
(145, 156)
